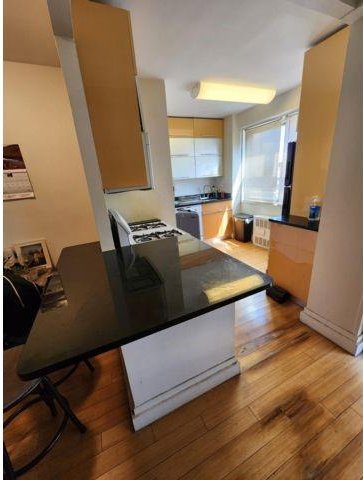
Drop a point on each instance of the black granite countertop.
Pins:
(114, 299)
(298, 222)
(189, 200)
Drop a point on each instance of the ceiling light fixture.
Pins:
(225, 92)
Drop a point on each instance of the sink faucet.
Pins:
(206, 187)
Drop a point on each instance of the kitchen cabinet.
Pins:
(182, 158)
(208, 166)
(208, 127)
(217, 219)
(182, 146)
(208, 146)
(208, 157)
(320, 95)
(183, 167)
(103, 40)
(291, 258)
(180, 127)
(206, 151)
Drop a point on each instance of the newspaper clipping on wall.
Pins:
(16, 181)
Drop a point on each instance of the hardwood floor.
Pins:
(246, 252)
(295, 412)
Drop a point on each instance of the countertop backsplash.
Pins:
(192, 186)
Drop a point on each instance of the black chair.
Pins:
(22, 301)
(16, 392)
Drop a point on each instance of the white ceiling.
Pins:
(258, 42)
(255, 42)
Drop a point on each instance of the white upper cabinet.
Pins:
(208, 146)
(208, 166)
(196, 147)
(182, 146)
(183, 167)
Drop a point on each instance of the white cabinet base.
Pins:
(168, 369)
(336, 334)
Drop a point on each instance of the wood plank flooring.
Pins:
(295, 412)
(246, 252)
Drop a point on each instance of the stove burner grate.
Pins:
(147, 226)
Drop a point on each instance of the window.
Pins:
(264, 159)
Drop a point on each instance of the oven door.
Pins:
(188, 220)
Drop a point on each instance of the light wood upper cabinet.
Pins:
(180, 127)
(104, 46)
(208, 127)
(196, 127)
(319, 101)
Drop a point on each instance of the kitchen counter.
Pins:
(190, 200)
(298, 222)
(156, 300)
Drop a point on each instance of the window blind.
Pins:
(264, 163)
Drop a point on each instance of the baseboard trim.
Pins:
(344, 339)
(163, 404)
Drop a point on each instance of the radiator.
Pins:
(261, 231)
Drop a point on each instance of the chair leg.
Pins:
(91, 368)
(48, 400)
(63, 403)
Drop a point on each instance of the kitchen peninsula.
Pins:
(169, 305)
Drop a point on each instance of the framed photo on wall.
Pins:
(33, 255)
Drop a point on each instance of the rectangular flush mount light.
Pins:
(232, 93)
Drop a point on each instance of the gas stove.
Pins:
(151, 230)
(152, 225)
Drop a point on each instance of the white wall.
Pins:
(38, 117)
(159, 202)
(193, 186)
(335, 302)
(283, 103)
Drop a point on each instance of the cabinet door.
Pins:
(180, 127)
(208, 166)
(182, 146)
(218, 224)
(208, 146)
(320, 94)
(208, 127)
(183, 167)
(104, 46)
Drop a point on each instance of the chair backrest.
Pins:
(21, 304)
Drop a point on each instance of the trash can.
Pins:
(242, 227)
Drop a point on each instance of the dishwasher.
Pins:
(188, 219)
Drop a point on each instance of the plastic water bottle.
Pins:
(314, 209)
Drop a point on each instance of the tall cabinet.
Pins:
(103, 40)
(196, 147)
(320, 93)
